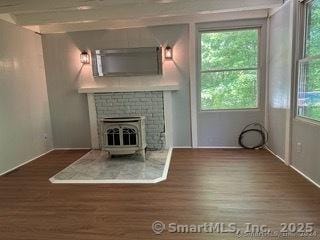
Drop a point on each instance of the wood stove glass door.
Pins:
(113, 137)
(130, 136)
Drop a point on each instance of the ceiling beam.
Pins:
(141, 11)
(148, 22)
(31, 6)
(8, 17)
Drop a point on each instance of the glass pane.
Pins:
(229, 49)
(312, 28)
(133, 139)
(129, 136)
(126, 139)
(309, 90)
(110, 139)
(117, 139)
(113, 137)
(229, 90)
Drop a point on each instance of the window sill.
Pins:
(230, 110)
(308, 121)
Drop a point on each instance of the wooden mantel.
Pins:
(131, 88)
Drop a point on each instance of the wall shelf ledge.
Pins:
(138, 88)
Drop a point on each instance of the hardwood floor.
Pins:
(219, 186)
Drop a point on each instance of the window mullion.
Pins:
(229, 70)
(308, 59)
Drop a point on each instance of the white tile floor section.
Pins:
(96, 167)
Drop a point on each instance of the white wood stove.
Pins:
(125, 135)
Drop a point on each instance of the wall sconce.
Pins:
(168, 54)
(84, 57)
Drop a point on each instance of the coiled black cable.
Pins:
(254, 127)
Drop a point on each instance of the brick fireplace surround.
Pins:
(154, 102)
(132, 104)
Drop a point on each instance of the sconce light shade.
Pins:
(84, 57)
(168, 54)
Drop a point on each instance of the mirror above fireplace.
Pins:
(127, 62)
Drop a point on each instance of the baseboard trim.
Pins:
(208, 147)
(295, 169)
(277, 156)
(305, 176)
(24, 163)
(32, 159)
(219, 147)
(182, 147)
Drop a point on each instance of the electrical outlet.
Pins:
(45, 137)
(299, 147)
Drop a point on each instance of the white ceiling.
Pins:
(66, 13)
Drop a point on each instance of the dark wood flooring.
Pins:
(219, 186)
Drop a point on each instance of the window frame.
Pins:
(258, 68)
(303, 58)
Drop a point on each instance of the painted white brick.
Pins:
(148, 104)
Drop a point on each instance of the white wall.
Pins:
(24, 118)
(280, 77)
(308, 160)
(285, 132)
(307, 134)
(65, 74)
(69, 110)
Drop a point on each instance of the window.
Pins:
(229, 69)
(308, 102)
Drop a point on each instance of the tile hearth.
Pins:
(97, 167)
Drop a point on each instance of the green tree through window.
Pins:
(308, 102)
(229, 69)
